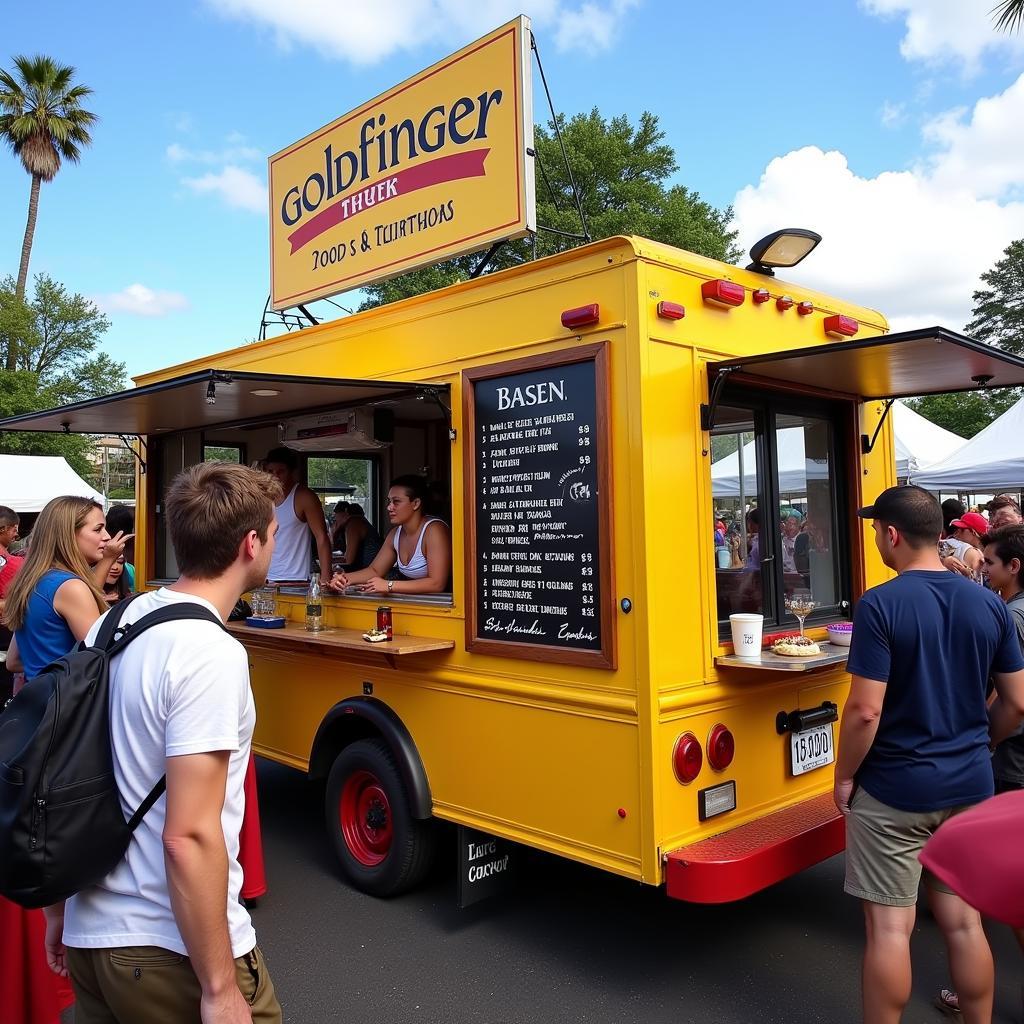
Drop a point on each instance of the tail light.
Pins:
(687, 758)
(721, 748)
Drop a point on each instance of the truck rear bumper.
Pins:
(749, 858)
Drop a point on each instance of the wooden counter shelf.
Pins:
(336, 638)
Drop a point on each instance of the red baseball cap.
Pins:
(971, 521)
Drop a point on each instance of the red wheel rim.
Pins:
(366, 818)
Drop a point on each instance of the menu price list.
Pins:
(537, 517)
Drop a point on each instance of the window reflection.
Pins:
(774, 479)
(738, 528)
(805, 483)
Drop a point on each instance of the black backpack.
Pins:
(61, 825)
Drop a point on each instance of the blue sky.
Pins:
(891, 126)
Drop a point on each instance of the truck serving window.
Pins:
(778, 486)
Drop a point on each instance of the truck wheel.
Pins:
(383, 849)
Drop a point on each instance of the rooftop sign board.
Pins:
(434, 168)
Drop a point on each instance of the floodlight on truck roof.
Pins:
(783, 248)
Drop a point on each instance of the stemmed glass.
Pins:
(800, 603)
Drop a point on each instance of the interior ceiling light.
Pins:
(783, 248)
(265, 392)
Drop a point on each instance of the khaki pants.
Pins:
(150, 985)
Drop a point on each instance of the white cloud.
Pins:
(235, 186)
(367, 33)
(910, 243)
(943, 30)
(139, 300)
(893, 114)
(235, 151)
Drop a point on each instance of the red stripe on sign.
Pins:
(433, 172)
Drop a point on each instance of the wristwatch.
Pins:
(391, 586)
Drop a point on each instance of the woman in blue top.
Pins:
(58, 594)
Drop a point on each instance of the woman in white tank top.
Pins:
(418, 545)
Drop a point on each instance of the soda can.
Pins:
(384, 620)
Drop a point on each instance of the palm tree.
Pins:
(1009, 14)
(43, 121)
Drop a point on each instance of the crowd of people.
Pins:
(930, 732)
(176, 702)
(929, 774)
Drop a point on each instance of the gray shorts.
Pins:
(882, 847)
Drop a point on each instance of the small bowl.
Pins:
(840, 633)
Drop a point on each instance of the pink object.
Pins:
(977, 854)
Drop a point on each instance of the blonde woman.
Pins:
(58, 594)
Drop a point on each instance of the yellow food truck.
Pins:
(630, 443)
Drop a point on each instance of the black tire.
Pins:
(382, 848)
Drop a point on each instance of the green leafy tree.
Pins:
(968, 413)
(622, 172)
(56, 338)
(43, 121)
(998, 314)
(997, 319)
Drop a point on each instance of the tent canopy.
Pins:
(28, 482)
(919, 442)
(992, 460)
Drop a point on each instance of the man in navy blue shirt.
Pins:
(914, 746)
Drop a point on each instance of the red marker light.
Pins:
(687, 758)
(723, 293)
(721, 748)
(581, 316)
(805, 308)
(839, 326)
(671, 311)
(760, 295)
(783, 302)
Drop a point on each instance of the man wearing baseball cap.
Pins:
(914, 746)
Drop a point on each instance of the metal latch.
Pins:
(808, 718)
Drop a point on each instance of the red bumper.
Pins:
(735, 864)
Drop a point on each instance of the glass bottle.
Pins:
(314, 605)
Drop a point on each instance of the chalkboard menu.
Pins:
(540, 521)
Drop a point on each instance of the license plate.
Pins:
(812, 749)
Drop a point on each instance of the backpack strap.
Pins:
(111, 622)
(154, 794)
(172, 613)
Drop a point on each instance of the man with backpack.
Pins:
(163, 937)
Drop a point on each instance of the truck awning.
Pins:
(184, 403)
(923, 362)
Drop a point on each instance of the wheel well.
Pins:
(358, 718)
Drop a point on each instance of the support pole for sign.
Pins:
(743, 494)
(558, 134)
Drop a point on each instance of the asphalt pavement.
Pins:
(568, 944)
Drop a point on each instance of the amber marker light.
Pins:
(723, 293)
(839, 326)
(671, 311)
(581, 316)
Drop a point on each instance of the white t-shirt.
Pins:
(180, 688)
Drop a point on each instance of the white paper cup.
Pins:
(746, 634)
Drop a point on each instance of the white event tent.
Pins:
(28, 482)
(919, 442)
(991, 461)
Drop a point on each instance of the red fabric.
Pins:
(978, 855)
(30, 993)
(250, 845)
(9, 571)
